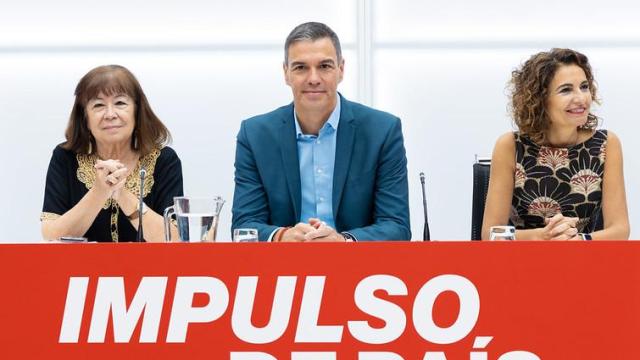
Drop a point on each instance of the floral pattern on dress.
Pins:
(585, 182)
(555, 158)
(544, 207)
(603, 153)
(520, 176)
(550, 180)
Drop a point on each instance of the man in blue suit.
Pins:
(322, 168)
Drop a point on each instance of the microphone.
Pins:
(140, 236)
(425, 233)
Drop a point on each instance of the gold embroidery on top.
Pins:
(45, 216)
(114, 221)
(86, 173)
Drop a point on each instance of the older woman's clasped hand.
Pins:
(111, 175)
(560, 227)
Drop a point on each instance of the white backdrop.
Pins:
(442, 66)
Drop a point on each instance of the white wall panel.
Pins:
(452, 108)
(497, 21)
(70, 23)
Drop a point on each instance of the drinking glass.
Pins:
(245, 235)
(502, 233)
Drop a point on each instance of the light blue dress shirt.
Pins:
(317, 156)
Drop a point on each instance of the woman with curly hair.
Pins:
(558, 173)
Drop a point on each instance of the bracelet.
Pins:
(348, 236)
(278, 236)
(586, 236)
(134, 215)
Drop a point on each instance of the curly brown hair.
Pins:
(149, 131)
(529, 87)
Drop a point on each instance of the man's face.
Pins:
(313, 72)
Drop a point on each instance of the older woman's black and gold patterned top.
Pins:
(549, 180)
(71, 175)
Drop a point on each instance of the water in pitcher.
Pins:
(196, 227)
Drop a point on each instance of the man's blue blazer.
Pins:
(370, 191)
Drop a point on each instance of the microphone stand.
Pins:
(425, 233)
(140, 235)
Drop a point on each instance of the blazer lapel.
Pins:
(344, 147)
(289, 151)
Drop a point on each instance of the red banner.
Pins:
(370, 301)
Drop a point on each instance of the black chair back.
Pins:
(480, 187)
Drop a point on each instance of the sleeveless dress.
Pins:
(549, 180)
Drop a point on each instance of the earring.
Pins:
(135, 141)
(90, 146)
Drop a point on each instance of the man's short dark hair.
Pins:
(311, 31)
